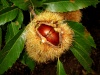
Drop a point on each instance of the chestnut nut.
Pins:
(49, 33)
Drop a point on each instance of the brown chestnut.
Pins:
(49, 33)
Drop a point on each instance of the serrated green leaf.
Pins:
(28, 61)
(5, 3)
(23, 4)
(60, 68)
(11, 51)
(83, 58)
(0, 37)
(12, 30)
(82, 45)
(79, 31)
(68, 5)
(8, 14)
(90, 39)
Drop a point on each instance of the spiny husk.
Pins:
(43, 52)
(73, 16)
(49, 17)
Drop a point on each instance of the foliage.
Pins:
(12, 28)
(66, 5)
(60, 68)
(27, 61)
(82, 45)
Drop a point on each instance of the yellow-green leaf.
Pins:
(60, 68)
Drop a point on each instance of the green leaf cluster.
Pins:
(82, 44)
(12, 33)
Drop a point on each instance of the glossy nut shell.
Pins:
(49, 33)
